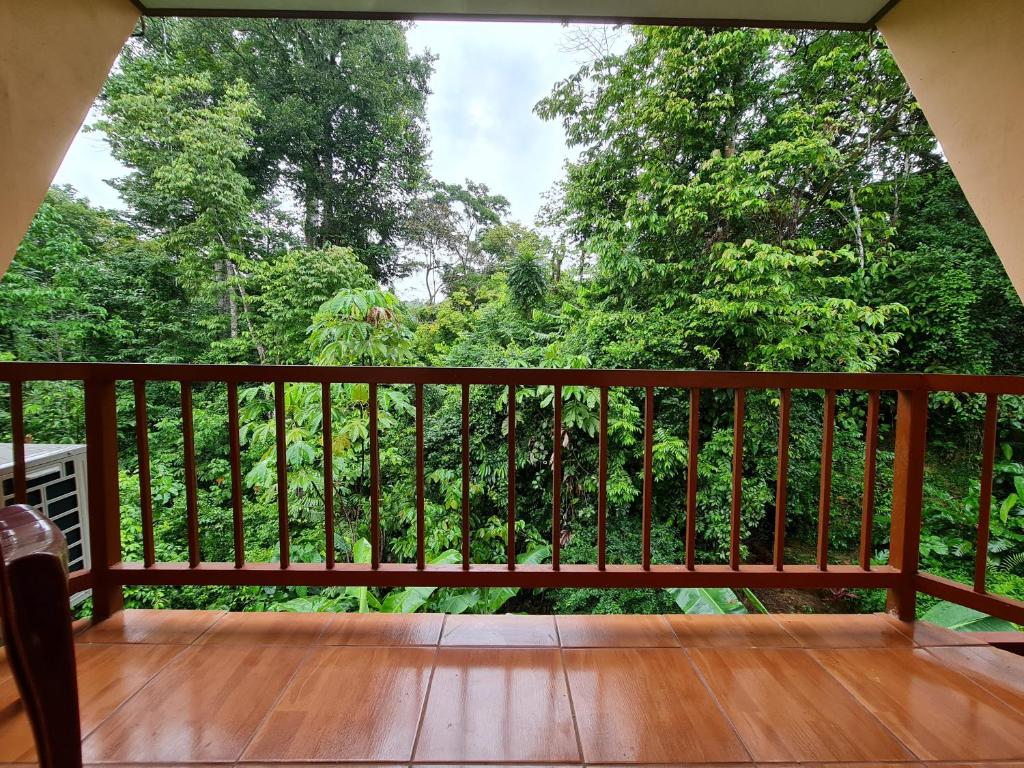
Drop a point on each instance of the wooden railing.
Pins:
(900, 576)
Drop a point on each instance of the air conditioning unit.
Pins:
(56, 483)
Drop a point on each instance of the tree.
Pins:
(184, 146)
(449, 225)
(288, 291)
(339, 118)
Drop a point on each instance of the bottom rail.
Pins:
(524, 576)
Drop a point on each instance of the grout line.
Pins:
(568, 690)
(181, 649)
(813, 654)
(426, 698)
(277, 700)
(962, 673)
(214, 623)
(718, 703)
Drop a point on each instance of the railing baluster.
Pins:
(191, 485)
(465, 478)
(145, 479)
(602, 479)
(737, 479)
(104, 494)
(782, 479)
(867, 521)
(511, 477)
(825, 488)
(421, 556)
(556, 482)
(327, 430)
(234, 441)
(907, 490)
(17, 403)
(693, 450)
(988, 456)
(648, 475)
(374, 481)
(282, 475)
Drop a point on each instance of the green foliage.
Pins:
(700, 600)
(740, 199)
(338, 111)
(287, 291)
(963, 619)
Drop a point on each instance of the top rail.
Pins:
(606, 377)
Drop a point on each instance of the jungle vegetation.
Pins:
(742, 199)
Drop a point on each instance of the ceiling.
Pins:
(840, 14)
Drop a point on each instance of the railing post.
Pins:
(104, 495)
(907, 487)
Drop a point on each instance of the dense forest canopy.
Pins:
(741, 199)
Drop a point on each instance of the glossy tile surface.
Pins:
(505, 630)
(844, 631)
(933, 709)
(204, 706)
(348, 704)
(151, 626)
(107, 676)
(786, 707)
(1001, 673)
(382, 629)
(646, 706)
(926, 634)
(299, 629)
(376, 690)
(489, 705)
(615, 631)
(741, 631)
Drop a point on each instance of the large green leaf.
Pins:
(698, 600)
(411, 599)
(962, 619)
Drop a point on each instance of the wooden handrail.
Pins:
(109, 574)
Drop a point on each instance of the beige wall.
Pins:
(964, 60)
(54, 57)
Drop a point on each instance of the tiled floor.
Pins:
(179, 688)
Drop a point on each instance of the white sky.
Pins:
(487, 79)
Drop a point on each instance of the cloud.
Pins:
(487, 79)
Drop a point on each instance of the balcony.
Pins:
(178, 687)
(207, 687)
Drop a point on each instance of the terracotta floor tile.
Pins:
(498, 705)
(742, 630)
(615, 631)
(204, 706)
(284, 628)
(348, 704)
(785, 707)
(382, 629)
(646, 706)
(845, 631)
(933, 709)
(1001, 673)
(926, 634)
(507, 630)
(151, 626)
(107, 676)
